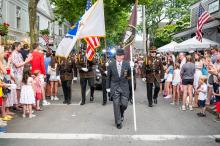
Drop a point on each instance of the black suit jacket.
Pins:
(114, 81)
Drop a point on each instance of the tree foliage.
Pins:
(174, 14)
(164, 34)
(117, 14)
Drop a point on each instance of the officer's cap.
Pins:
(120, 52)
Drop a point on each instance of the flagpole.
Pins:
(132, 83)
(144, 29)
(106, 53)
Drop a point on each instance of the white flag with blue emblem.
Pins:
(68, 42)
(92, 24)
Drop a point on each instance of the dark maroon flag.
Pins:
(130, 32)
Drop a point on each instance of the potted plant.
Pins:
(4, 29)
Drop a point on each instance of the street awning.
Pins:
(194, 44)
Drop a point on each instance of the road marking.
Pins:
(87, 92)
(60, 104)
(102, 136)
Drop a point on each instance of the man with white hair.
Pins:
(182, 59)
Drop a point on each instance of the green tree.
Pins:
(169, 12)
(32, 9)
(116, 15)
(164, 34)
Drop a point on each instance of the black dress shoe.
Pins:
(131, 101)
(82, 103)
(64, 102)
(217, 140)
(104, 103)
(150, 105)
(119, 126)
(155, 101)
(122, 118)
(68, 102)
(91, 98)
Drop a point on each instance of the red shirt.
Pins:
(38, 62)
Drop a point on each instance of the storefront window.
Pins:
(18, 17)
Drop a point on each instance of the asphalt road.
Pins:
(93, 124)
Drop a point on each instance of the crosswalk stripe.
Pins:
(59, 136)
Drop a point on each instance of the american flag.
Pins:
(45, 38)
(92, 42)
(203, 18)
(90, 52)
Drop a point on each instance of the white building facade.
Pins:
(15, 13)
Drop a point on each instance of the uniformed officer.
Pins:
(119, 72)
(74, 58)
(103, 65)
(87, 73)
(152, 73)
(65, 69)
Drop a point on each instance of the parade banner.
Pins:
(127, 43)
(130, 33)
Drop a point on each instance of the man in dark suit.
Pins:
(117, 83)
(152, 73)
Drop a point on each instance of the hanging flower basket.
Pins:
(44, 32)
(4, 29)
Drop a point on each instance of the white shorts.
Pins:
(169, 78)
(42, 80)
(175, 83)
(18, 81)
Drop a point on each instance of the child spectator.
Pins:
(5, 117)
(27, 98)
(202, 92)
(37, 88)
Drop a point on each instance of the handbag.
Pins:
(211, 79)
(204, 70)
(6, 90)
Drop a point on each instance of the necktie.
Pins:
(119, 69)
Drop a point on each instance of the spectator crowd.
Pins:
(26, 79)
